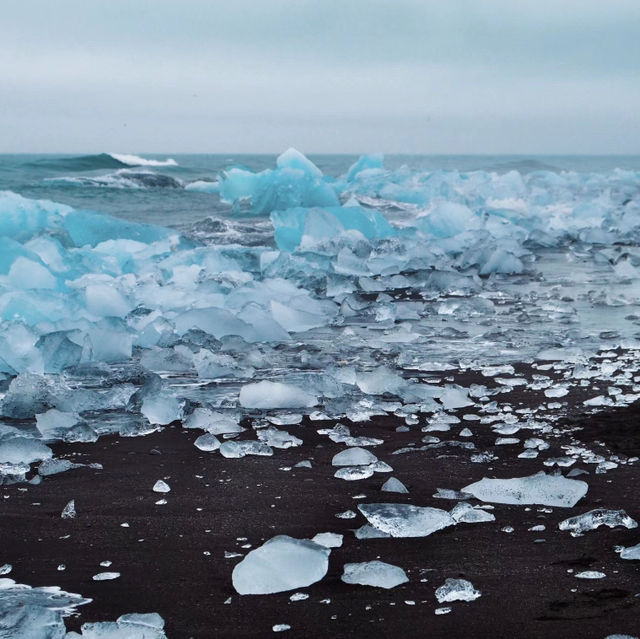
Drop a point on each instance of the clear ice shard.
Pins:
(280, 564)
(465, 513)
(328, 540)
(69, 511)
(374, 573)
(406, 520)
(541, 489)
(596, 518)
(393, 485)
(266, 395)
(235, 450)
(456, 590)
(161, 487)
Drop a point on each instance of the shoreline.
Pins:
(526, 588)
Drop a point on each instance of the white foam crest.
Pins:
(136, 160)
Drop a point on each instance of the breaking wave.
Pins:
(99, 161)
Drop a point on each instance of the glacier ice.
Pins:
(596, 518)
(406, 520)
(374, 573)
(542, 489)
(280, 564)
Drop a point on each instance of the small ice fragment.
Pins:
(445, 610)
(69, 511)
(303, 464)
(543, 489)
(328, 540)
(281, 627)
(369, 532)
(299, 596)
(354, 457)
(6, 569)
(235, 450)
(207, 443)
(596, 518)
(630, 552)
(280, 564)
(374, 573)
(465, 513)
(106, 576)
(590, 574)
(354, 473)
(456, 590)
(393, 485)
(105, 564)
(61, 567)
(161, 487)
(406, 520)
(347, 514)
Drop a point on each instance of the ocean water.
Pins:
(38, 177)
(137, 291)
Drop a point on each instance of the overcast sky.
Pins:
(412, 76)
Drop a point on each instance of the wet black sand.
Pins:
(171, 557)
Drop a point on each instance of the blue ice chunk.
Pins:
(295, 182)
(21, 218)
(86, 227)
(365, 163)
(318, 224)
(447, 220)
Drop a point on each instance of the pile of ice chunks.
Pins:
(373, 286)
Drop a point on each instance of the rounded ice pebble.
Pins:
(207, 442)
(161, 487)
(374, 573)
(280, 564)
(354, 457)
(267, 394)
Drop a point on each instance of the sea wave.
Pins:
(122, 179)
(98, 161)
(136, 160)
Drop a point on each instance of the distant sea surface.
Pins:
(150, 188)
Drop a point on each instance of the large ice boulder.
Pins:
(280, 564)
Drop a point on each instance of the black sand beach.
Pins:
(172, 557)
